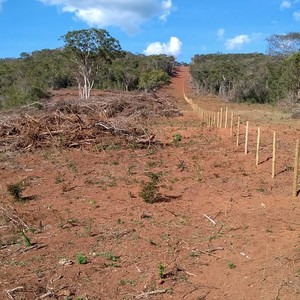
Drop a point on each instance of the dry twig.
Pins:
(11, 291)
(142, 295)
(210, 219)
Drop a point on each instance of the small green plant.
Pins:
(194, 254)
(298, 273)
(231, 265)
(110, 256)
(177, 137)
(32, 229)
(127, 282)
(161, 270)
(261, 190)
(150, 189)
(15, 190)
(81, 259)
(155, 177)
(26, 239)
(149, 192)
(112, 265)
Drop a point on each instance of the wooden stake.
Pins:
(208, 118)
(257, 146)
(274, 155)
(296, 165)
(221, 117)
(231, 124)
(218, 119)
(226, 117)
(246, 137)
(238, 130)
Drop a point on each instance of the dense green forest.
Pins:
(33, 76)
(93, 59)
(258, 78)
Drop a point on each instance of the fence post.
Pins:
(246, 137)
(226, 117)
(274, 155)
(296, 165)
(257, 146)
(231, 124)
(214, 116)
(238, 130)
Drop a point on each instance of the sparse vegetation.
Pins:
(110, 256)
(121, 246)
(161, 270)
(15, 190)
(150, 189)
(130, 282)
(177, 137)
(81, 259)
(231, 265)
(26, 239)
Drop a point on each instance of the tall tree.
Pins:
(292, 76)
(89, 49)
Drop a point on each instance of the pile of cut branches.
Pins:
(77, 123)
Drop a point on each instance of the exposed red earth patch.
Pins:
(223, 228)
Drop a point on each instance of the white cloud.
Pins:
(221, 33)
(173, 47)
(126, 14)
(296, 15)
(167, 6)
(237, 42)
(285, 4)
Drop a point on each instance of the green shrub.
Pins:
(15, 190)
(81, 259)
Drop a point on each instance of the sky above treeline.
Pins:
(181, 28)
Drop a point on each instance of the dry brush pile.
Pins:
(76, 123)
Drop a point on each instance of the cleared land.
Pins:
(219, 227)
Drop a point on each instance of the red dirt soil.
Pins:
(225, 230)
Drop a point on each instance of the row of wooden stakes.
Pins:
(221, 119)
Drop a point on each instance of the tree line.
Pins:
(255, 77)
(89, 59)
(92, 58)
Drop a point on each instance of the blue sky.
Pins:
(181, 28)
